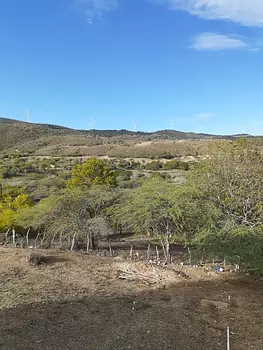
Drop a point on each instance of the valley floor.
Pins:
(75, 302)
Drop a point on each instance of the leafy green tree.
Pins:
(93, 172)
(37, 217)
(241, 245)
(232, 180)
(72, 218)
(12, 201)
(168, 212)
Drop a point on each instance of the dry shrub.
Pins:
(35, 258)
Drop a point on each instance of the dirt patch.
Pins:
(65, 275)
(78, 302)
(142, 144)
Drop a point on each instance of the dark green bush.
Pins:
(155, 165)
(176, 164)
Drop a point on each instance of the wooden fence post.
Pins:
(14, 237)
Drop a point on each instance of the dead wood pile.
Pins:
(132, 273)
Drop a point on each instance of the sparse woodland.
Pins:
(215, 210)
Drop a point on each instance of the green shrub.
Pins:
(173, 164)
(155, 165)
(176, 164)
(183, 166)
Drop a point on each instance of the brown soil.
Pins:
(77, 302)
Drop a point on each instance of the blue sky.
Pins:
(196, 62)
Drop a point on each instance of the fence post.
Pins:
(14, 237)
(227, 338)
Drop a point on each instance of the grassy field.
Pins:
(75, 301)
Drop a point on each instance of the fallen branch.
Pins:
(134, 275)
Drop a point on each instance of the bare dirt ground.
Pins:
(74, 301)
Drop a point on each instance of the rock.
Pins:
(217, 304)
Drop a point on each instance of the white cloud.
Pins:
(95, 9)
(206, 115)
(217, 42)
(245, 12)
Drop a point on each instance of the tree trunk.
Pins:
(190, 255)
(6, 236)
(131, 251)
(167, 243)
(73, 243)
(53, 238)
(60, 241)
(36, 240)
(14, 237)
(94, 243)
(110, 247)
(148, 251)
(168, 254)
(157, 254)
(91, 241)
(27, 234)
(164, 251)
(88, 243)
(43, 239)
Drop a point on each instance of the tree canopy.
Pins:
(93, 172)
(12, 201)
(169, 212)
(231, 180)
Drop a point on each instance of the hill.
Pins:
(15, 133)
(54, 140)
(4, 121)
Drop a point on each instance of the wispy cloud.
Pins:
(218, 42)
(95, 9)
(206, 115)
(245, 12)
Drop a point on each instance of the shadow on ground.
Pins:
(53, 259)
(168, 318)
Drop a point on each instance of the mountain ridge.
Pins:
(49, 139)
(107, 132)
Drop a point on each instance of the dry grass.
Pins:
(63, 275)
(172, 309)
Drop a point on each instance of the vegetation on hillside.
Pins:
(216, 209)
(53, 140)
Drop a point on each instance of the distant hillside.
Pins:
(4, 121)
(162, 134)
(14, 133)
(54, 140)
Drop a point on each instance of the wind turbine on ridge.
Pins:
(135, 122)
(28, 115)
(245, 129)
(92, 121)
(171, 124)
